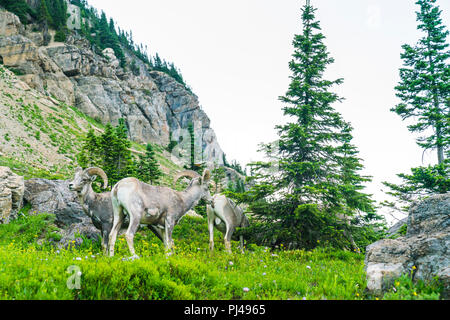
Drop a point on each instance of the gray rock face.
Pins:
(153, 105)
(71, 234)
(424, 251)
(54, 197)
(11, 194)
(396, 227)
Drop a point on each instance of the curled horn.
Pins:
(98, 172)
(206, 175)
(188, 173)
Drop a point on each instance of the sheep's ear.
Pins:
(93, 178)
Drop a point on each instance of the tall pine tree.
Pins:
(425, 82)
(317, 184)
(424, 90)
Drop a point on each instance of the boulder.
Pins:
(54, 197)
(9, 24)
(113, 61)
(71, 235)
(11, 194)
(424, 253)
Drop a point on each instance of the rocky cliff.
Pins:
(154, 106)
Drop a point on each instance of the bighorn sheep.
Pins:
(159, 207)
(97, 206)
(226, 216)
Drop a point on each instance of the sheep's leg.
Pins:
(210, 227)
(227, 238)
(168, 229)
(241, 243)
(104, 242)
(118, 219)
(129, 235)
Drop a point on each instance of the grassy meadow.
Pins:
(32, 267)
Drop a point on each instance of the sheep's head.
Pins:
(83, 179)
(200, 181)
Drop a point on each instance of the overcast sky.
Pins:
(235, 53)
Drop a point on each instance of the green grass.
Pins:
(29, 171)
(32, 268)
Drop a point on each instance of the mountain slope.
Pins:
(41, 136)
(155, 106)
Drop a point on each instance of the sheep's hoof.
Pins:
(132, 258)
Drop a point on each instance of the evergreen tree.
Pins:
(147, 168)
(43, 16)
(425, 82)
(19, 8)
(317, 181)
(424, 91)
(104, 37)
(107, 147)
(58, 11)
(192, 146)
(123, 159)
(217, 175)
(90, 154)
(109, 151)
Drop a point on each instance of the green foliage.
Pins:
(110, 151)
(311, 182)
(424, 87)
(43, 15)
(162, 65)
(29, 171)
(425, 94)
(192, 148)
(60, 36)
(57, 10)
(19, 8)
(106, 36)
(217, 175)
(41, 271)
(172, 143)
(147, 168)
(193, 157)
(423, 182)
(405, 288)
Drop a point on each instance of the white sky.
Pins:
(235, 53)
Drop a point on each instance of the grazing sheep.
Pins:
(97, 206)
(159, 207)
(226, 216)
